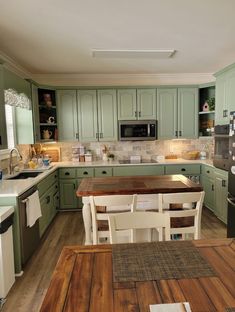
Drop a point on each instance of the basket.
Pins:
(192, 155)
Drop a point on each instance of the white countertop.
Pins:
(14, 188)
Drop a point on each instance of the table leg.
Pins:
(86, 214)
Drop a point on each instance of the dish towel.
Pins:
(33, 209)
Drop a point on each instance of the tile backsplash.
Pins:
(123, 150)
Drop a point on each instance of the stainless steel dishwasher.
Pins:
(29, 236)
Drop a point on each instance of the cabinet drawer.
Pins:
(103, 171)
(208, 171)
(67, 173)
(138, 170)
(46, 183)
(85, 172)
(183, 169)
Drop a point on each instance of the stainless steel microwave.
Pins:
(137, 130)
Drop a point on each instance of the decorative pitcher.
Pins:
(46, 134)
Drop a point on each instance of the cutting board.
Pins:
(53, 153)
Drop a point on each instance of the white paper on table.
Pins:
(170, 307)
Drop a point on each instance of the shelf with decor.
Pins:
(206, 111)
(47, 115)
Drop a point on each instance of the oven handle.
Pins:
(230, 202)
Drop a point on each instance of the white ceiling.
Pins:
(56, 36)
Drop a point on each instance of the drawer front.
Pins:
(138, 170)
(45, 184)
(67, 173)
(85, 172)
(103, 171)
(183, 169)
(208, 171)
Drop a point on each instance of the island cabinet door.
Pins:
(87, 115)
(68, 198)
(146, 104)
(188, 113)
(167, 113)
(127, 109)
(67, 115)
(107, 115)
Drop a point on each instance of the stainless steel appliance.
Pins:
(221, 151)
(29, 235)
(231, 179)
(136, 130)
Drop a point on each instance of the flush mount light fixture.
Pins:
(153, 54)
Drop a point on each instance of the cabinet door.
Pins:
(230, 94)
(220, 101)
(209, 188)
(167, 113)
(107, 115)
(188, 113)
(68, 198)
(127, 109)
(87, 115)
(35, 113)
(146, 104)
(221, 192)
(67, 115)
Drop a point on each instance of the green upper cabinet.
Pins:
(188, 113)
(87, 115)
(127, 102)
(136, 104)
(225, 95)
(67, 115)
(167, 113)
(97, 115)
(107, 115)
(35, 112)
(177, 111)
(3, 133)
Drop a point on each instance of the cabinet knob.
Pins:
(56, 186)
(85, 172)
(208, 171)
(67, 173)
(183, 169)
(104, 172)
(55, 176)
(48, 199)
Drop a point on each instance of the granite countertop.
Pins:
(14, 188)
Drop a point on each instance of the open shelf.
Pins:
(206, 118)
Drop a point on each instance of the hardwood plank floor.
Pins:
(67, 229)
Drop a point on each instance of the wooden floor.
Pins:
(67, 229)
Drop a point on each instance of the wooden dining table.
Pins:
(83, 281)
(126, 185)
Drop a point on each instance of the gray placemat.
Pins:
(158, 260)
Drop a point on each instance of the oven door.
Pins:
(221, 152)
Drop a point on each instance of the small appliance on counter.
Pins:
(158, 158)
(203, 155)
(135, 159)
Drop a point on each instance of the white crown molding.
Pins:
(122, 79)
(13, 66)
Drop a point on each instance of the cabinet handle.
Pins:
(104, 172)
(74, 186)
(180, 133)
(208, 171)
(77, 135)
(55, 176)
(223, 183)
(183, 169)
(135, 113)
(56, 186)
(97, 135)
(101, 135)
(0, 140)
(212, 187)
(176, 133)
(226, 113)
(48, 199)
(67, 173)
(139, 114)
(85, 172)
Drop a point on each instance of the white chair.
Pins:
(138, 220)
(186, 200)
(112, 204)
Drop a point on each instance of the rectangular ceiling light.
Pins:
(159, 54)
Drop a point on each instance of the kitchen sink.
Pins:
(25, 175)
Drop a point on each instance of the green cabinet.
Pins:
(68, 198)
(136, 104)
(138, 170)
(221, 192)
(177, 111)
(36, 125)
(185, 169)
(225, 93)
(67, 115)
(208, 184)
(97, 119)
(3, 133)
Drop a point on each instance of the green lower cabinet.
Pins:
(138, 170)
(68, 198)
(209, 188)
(221, 192)
(46, 202)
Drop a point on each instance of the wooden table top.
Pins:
(137, 185)
(82, 281)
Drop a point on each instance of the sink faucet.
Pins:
(19, 157)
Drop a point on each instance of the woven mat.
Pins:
(230, 309)
(158, 260)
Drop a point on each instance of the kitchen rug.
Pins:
(157, 261)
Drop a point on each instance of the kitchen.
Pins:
(88, 107)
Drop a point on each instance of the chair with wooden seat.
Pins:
(185, 220)
(102, 207)
(136, 221)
